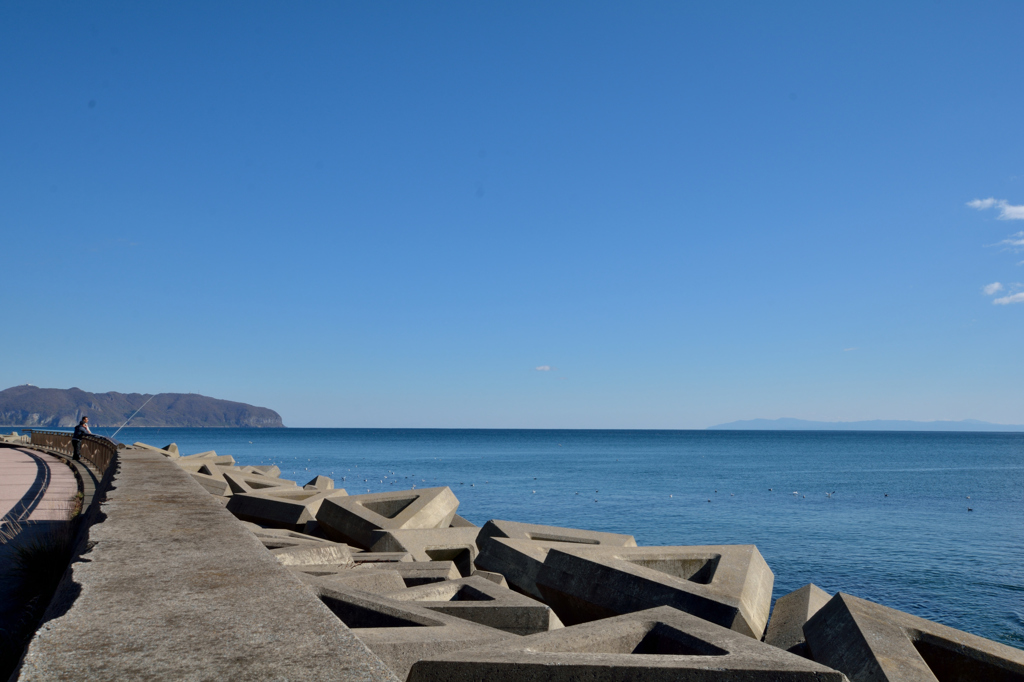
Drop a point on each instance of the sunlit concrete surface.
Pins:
(35, 486)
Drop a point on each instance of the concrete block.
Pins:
(414, 572)
(207, 454)
(868, 641)
(283, 534)
(320, 483)
(530, 531)
(655, 645)
(459, 522)
(286, 538)
(211, 470)
(280, 543)
(730, 585)
(401, 633)
(165, 453)
(323, 553)
(250, 483)
(352, 520)
(383, 557)
(519, 561)
(215, 485)
(268, 470)
(194, 467)
(204, 469)
(481, 601)
(321, 570)
(374, 582)
(209, 459)
(502, 549)
(282, 507)
(171, 448)
(496, 578)
(434, 544)
(786, 627)
(312, 528)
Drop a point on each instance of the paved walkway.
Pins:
(37, 490)
(174, 587)
(35, 486)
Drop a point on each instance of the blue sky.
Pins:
(397, 214)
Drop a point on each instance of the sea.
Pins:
(927, 523)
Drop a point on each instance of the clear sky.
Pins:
(519, 214)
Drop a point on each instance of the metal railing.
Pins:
(96, 450)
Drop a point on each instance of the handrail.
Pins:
(97, 450)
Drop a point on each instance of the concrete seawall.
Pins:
(195, 567)
(174, 587)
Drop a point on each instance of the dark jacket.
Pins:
(80, 431)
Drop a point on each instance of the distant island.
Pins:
(29, 405)
(871, 425)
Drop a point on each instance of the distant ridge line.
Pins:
(790, 424)
(32, 406)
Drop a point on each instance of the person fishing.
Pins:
(76, 439)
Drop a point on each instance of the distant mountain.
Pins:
(872, 425)
(57, 407)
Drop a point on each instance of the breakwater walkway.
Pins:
(35, 486)
(37, 494)
(173, 586)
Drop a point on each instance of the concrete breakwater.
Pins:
(261, 577)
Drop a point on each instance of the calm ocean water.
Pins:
(897, 530)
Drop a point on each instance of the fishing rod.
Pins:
(133, 415)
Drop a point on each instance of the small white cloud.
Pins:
(993, 288)
(1014, 241)
(1007, 211)
(543, 368)
(1012, 212)
(1006, 300)
(847, 350)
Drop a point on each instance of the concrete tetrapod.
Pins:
(414, 572)
(324, 553)
(382, 557)
(655, 645)
(868, 641)
(730, 585)
(282, 507)
(517, 550)
(401, 633)
(786, 627)
(268, 470)
(496, 578)
(514, 530)
(241, 483)
(374, 582)
(482, 601)
(432, 544)
(320, 483)
(459, 522)
(171, 454)
(279, 542)
(353, 519)
(210, 457)
(519, 561)
(213, 484)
